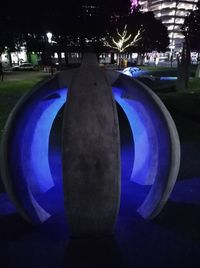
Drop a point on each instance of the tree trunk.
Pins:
(9, 58)
(188, 63)
(60, 59)
(183, 68)
(180, 83)
(66, 58)
(119, 60)
(112, 58)
(197, 73)
(140, 59)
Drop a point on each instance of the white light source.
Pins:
(49, 36)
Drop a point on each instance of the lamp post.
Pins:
(49, 37)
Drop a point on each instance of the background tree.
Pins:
(155, 35)
(191, 29)
(122, 41)
(183, 68)
(156, 39)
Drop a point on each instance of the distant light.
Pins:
(49, 36)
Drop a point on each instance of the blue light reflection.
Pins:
(42, 131)
(37, 169)
(138, 120)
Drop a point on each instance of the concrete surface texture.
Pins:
(91, 152)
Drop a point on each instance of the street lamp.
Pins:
(49, 37)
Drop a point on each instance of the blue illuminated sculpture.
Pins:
(91, 175)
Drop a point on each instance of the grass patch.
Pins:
(10, 93)
(157, 68)
(165, 71)
(160, 71)
(194, 85)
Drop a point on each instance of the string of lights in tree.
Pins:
(124, 40)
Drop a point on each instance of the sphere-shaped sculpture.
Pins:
(90, 147)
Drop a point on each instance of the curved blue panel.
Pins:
(145, 139)
(165, 151)
(36, 142)
(27, 172)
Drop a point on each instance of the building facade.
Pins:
(172, 14)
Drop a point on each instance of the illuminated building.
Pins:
(144, 5)
(172, 14)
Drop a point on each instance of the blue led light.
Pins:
(40, 142)
(139, 120)
(36, 142)
(28, 162)
(168, 78)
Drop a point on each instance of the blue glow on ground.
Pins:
(6, 207)
(184, 192)
(187, 191)
(168, 78)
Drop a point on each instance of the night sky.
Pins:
(56, 16)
